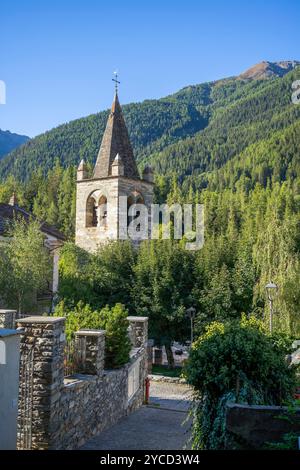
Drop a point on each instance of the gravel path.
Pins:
(172, 396)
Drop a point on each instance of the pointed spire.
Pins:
(148, 174)
(117, 160)
(81, 166)
(13, 200)
(115, 141)
(82, 171)
(117, 168)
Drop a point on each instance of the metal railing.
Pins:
(25, 404)
(74, 355)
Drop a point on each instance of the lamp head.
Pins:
(191, 312)
(271, 289)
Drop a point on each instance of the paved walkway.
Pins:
(163, 425)
(173, 396)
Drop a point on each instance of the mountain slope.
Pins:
(247, 116)
(10, 141)
(191, 133)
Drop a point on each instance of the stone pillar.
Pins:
(158, 356)
(82, 171)
(150, 346)
(90, 351)
(7, 318)
(54, 248)
(55, 271)
(138, 331)
(46, 336)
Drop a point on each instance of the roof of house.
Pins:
(115, 141)
(10, 212)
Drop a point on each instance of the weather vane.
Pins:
(116, 80)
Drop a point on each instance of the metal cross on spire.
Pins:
(116, 80)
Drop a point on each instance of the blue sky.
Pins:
(57, 57)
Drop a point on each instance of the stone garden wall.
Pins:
(66, 411)
(252, 427)
(91, 403)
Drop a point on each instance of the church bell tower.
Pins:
(115, 175)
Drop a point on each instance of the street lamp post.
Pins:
(271, 289)
(190, 313)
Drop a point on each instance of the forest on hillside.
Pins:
(232, 145)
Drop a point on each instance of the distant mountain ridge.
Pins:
(9, 141)
(265, 70)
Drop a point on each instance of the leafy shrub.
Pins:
(117, 341)
(236, 362)
(112, 320)
(289, 442)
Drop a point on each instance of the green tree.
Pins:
(99, 279)
(112, 268)
(163, 281)
(25, 267)
(216, 298)
(75, 282)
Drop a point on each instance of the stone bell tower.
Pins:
(115, 175)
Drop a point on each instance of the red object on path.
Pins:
(297, 394)
(147, 390)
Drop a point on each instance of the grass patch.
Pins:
(164, 370)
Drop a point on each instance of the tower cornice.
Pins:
(133, 180)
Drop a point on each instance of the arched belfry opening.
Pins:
(91, 219)
(134, 198)
(96, 210)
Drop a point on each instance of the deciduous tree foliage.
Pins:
(161, 289)
(103, 278)
(25, 267)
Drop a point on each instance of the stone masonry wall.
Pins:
(7, 318)
(252, 427)
(90, 404)
(68, 411)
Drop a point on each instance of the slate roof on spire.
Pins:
(13, 200)
(115, 141)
